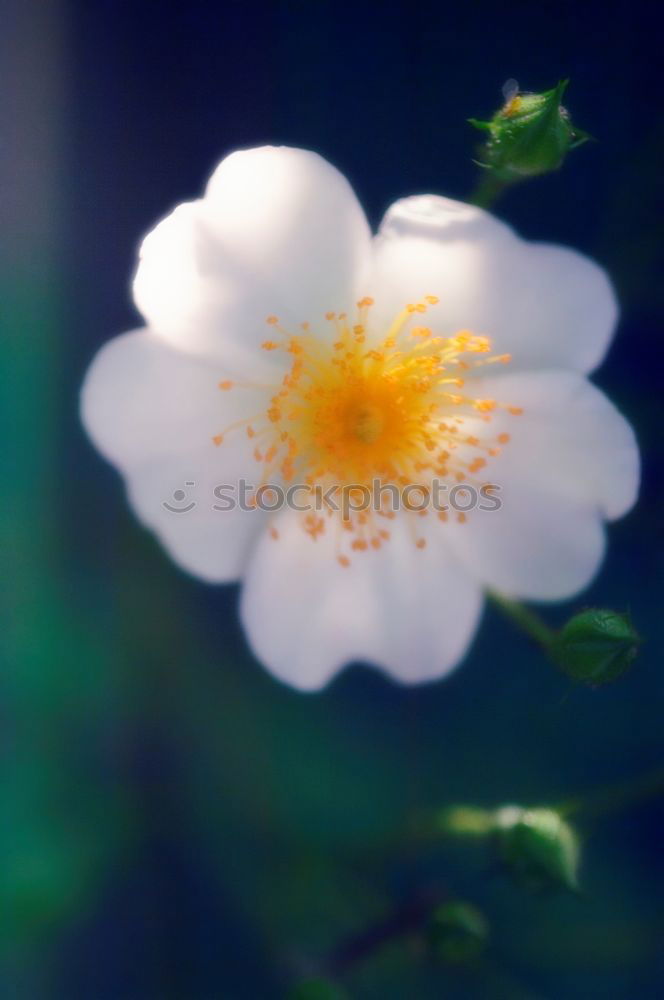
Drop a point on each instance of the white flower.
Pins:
(398, 384)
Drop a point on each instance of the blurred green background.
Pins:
(175, 823)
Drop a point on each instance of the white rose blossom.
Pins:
(284, 343)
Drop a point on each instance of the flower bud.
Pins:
(531, 134)
(595, 646)
(458, 932)
(539, 848)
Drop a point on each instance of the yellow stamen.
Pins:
(354, 409)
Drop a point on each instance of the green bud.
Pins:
(464, 821)
(317, 989)
(540, 849)
(458, 932)
(595, 646)
(531, 134)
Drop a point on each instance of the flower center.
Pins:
(366, 422)
(354, 411)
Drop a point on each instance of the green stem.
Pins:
(487, 191)
(410, 917)
(528, 620)
(616, 797)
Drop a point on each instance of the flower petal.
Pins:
(412, 612)
(279, 231)
(141, 398)
(153, 412)
(547, 305)
(571, 462)
(184, 501)
(570, 438)
(535, 547)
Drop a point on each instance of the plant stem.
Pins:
(410, 917)
(528, 620)
(616, 797)
(487, 191)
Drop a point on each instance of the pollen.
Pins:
(357, 407)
